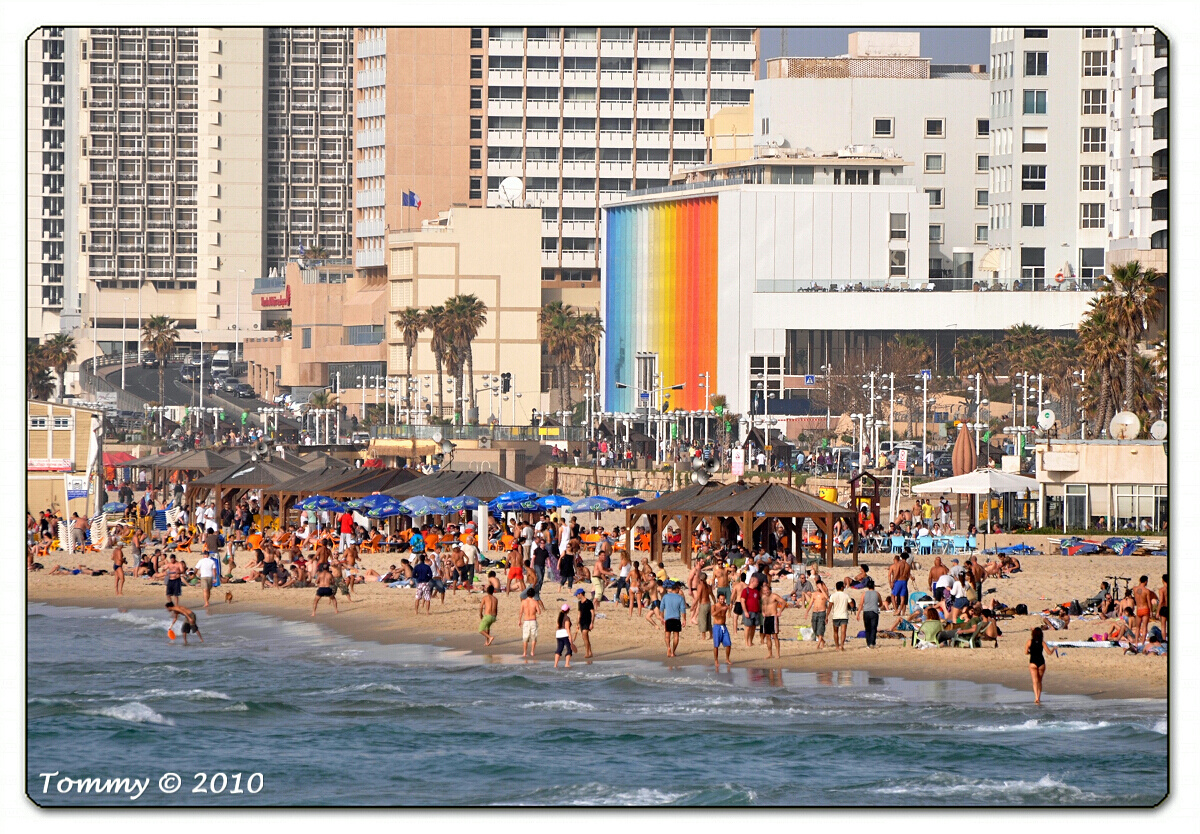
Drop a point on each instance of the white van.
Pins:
(220, 362)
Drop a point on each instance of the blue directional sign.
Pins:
(645, 395)
(926, 373)
(809, 379)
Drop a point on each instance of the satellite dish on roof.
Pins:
(1158, 430)
(510, 190)
(1124, 426)
(1045, 420)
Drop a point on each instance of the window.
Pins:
(1094, 139)
(899, 226)
(1091, 263)
(550, 245)
(1033, 139)
(1095, 63)
(1035, 63)
(981, 163)
(1030, 34)
(1033, 177)
(1095, 102)
(1033, 214)
(1035, 102)
(477, 127)
(1158, 165)
(899, 263)
(1160, 44)
(981, 233)
(1160, 123)
(936, 234)
(476, 98)
(477, 66)
(1158, 240)
(935, 197)
(1159, 205)
(883, 128)
(1091, 215)
(1091, 178)
(935, 128)
(362, 334)
(935, 163)
(476, 192)
(477, 38)
(981, 198)
(305, 337)
(1095, 33)
(981, 128)
(1033, 263)
(1160, 83)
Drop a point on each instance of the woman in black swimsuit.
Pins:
(1037, 662)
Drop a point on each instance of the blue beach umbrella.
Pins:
(424, 505)
(524, 505)
(113, 507)
(631, 501)
(553, 502)
(319, 502)
(371, 501)
(460, 502)
(593, 504)
(514, 495)
(387, 509)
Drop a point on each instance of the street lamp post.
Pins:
(237, 322)
(123, 300)
(892, 408)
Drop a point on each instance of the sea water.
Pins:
(292, 713)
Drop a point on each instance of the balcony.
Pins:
(579, 168)
(616, 49)
(616, 168)
(369, 257)
(580, 107)
(369, 168)
(370, 47)
(507, 138)
(727, 49)
(369, 198)
(617, 108)
(504, 167)
(540, 78)
(542, 108)
(104, 248)
(581, 138)
(370, 78)
(504, 107)
(578, 258)
(539, 168)
(579, 228)
(504, 46)
(653, 79)
(131, 199)
(369, 228)
(653, 139)
(616, 78)
(507, 77)
(732, 80)
(369, 107)
(368, 138)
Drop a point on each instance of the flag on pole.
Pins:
(410, 198)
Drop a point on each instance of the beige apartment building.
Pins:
(579, 115)
(336, 338)
(493, 254)
(193, 160)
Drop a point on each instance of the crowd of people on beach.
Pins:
(729, 590)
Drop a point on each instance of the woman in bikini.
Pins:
(635, 586)
(1035, 648)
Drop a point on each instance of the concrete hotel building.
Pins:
(197, 155)
(579, 114)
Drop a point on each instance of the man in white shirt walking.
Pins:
(839, 610)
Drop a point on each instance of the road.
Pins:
(144, 383)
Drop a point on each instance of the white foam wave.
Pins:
(1041, 724)
(362, 687)
(138, 620)
(595, 793)
(134, 712)
(1160, 726)
(238, 707)
(566, 705)
(188, 694)
(950, 785)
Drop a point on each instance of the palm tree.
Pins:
(410, 322)
(1136, 304)
(1101, 347)
(590, 330)
(973, 355)
(434, 320)
(59, 351)
(159, 334)
(39, 385)
(468, 315)
(282, 327)
(322, 398)
(557, 327)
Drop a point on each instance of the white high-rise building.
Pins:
(883, 96)
(1138, 205)
(195, 160)
(1051, 150)
(52, 297)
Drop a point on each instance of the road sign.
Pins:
(809, 379)
(926, 373)
(644, 395)
(739, 462)
(902, 460)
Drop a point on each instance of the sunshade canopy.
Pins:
(979, 482)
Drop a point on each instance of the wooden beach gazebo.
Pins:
(663, 510)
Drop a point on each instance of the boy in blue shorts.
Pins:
(720, 633)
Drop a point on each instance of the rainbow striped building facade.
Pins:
(660, 297)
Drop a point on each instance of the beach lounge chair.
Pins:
(972, 543)
(921, 600)
(966, 641)
(920, 638)
(958, 544)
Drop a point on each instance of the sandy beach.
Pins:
(385, 615)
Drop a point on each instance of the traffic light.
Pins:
(505, 382)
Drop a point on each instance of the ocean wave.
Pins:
(595, 793)
(1160, 726)
(568, 706)
(361, 687)
(187, 694)
(138, 620)
(134, 712)
(1041, 724)
(958, 788)
(240, 706)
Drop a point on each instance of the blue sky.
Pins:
(942, 45)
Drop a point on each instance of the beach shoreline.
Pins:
(362, 624)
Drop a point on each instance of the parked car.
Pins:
(230, 384)
(360, 437)
(244, 390)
